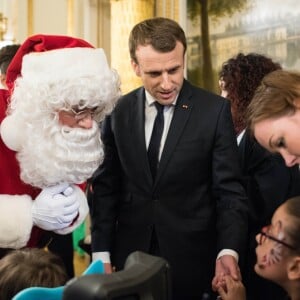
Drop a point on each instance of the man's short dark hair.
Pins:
(161, 33)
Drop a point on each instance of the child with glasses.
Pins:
(278, 253)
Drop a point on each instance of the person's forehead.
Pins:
(280, 218)
(272, 125)
(158, 61)
(263, 131)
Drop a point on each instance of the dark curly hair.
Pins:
(241, 75)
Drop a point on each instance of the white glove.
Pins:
(55, 207)
(83, 210)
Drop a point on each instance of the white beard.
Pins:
(48, 152)
(59, 154)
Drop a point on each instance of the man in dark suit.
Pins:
(188, 206)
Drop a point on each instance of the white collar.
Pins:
(240, 136)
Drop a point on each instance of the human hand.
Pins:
(234, 289)
(55, 207)
(108, 269)
(225, 265)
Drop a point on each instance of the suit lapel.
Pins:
(181, 115)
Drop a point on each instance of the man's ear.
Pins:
(293, 268)
(136, 68)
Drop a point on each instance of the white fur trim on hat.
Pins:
(11, 134)
(66, 63)
(16, 220)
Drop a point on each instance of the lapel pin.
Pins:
(184, 106)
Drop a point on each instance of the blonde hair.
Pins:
(275, 97)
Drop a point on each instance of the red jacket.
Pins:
(10, 182)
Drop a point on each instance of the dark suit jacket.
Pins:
(196, 204)
(267, 180)
(268, 183)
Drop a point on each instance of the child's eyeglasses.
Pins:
(263, 235)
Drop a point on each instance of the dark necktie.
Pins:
(154, 144)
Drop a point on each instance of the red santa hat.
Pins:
(40, 43)
(48, 59)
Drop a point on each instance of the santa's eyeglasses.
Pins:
(263, 235)
(80, 114)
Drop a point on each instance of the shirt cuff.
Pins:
(228, 252)
(103, 256)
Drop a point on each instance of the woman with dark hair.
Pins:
(268, 182)
(239, 78)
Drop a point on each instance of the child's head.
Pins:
(25, 268)
(278, 249)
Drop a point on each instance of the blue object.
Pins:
(42, 293)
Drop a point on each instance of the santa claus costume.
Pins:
(39, 157)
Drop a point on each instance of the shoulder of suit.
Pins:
(203, 97)
(134, 93)
(129, 99)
